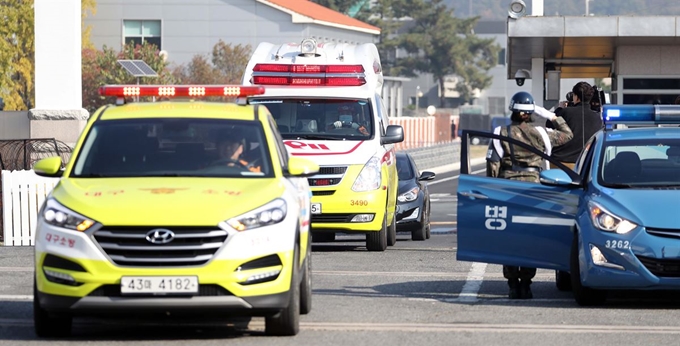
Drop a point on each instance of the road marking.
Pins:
(16, 269)
(473, 283)
(15, 297)
(443, 223)
(454, 177)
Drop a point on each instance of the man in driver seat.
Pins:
(229, 150)
(346, 119)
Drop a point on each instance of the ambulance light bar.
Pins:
(641, 114)
(180, 90)
(309, 75)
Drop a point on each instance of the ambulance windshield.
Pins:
(331, 119)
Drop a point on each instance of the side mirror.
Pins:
(426, 176)
(301, 167)
(394, 134)
(555, 177)
(49, 167)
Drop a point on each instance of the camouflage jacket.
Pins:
(502, 165)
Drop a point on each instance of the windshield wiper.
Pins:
(617, 185)
(319, 137)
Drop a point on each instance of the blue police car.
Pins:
(611, 223)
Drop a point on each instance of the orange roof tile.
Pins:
(322, 14)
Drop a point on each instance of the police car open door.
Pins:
(513, 222)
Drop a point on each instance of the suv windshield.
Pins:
(341, 119)
(641, 163)
(159, 147)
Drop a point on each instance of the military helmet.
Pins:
(522, 102)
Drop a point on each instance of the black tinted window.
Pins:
(404, 168)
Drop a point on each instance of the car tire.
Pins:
(428, 231)
(377, 241)
(562, 280)
(392, 232)
(306, 283)
(323, 237)
(287, 322)
(584, 296)
(46, 324)
(421, 233)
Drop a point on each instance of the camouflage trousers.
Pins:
(522, 273)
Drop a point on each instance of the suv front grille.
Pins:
(208, 290)
(666, 233)
(191, 246)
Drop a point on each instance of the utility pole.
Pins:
(588, 7)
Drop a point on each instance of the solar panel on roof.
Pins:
(138, 68)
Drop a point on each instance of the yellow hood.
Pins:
(165, 201)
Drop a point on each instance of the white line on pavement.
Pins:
(16, 269)
(454, 177)
(473, 283)
(15, 297)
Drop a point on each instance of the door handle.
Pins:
(473, 195)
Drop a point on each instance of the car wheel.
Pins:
(287, 322)
(306, 283)
(420, 233)
(323, 237)
(392, 232)
(377, 241)
(562, 280)
(46, 324)
(584, 296)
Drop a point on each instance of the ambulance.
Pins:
(326, 101)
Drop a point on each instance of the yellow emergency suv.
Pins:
(326, 99)
(179, 208)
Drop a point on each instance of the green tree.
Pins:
(342, 6)
(17, 48)
(440, 44)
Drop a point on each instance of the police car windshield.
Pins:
(321, 119)
(650, 163)
(163, 147)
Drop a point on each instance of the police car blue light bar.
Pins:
(641, 114)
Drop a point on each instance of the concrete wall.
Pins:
(14, 125)
(190, 27)
(648, 60)
(436, 156)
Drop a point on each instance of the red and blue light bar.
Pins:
(309, 75)
(641, 114)
(180, 90)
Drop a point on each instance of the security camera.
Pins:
(521, 76)
(517, 9)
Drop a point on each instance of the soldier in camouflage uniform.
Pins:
(517, 163)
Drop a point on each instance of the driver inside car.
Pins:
(347, 120)
(229, 150)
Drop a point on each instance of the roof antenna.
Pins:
(277, 56)
(342, 56)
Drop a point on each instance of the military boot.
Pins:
(525, 289)
(514, 292)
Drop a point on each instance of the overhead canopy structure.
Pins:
(584, 47)
(640, 54)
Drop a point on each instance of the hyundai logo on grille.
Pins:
(160, 236)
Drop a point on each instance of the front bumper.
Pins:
(222, 280)
(409, 215)
(338, 209)
(637, 260)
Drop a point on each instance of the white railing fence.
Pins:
(23, 192)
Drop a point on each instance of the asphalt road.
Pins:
(415, 293)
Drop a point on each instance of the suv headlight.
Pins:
(55, 214)
(370, 176)
(608, 222)
(409, 195)
(268, 214)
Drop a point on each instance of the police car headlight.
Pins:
(608, 222)
(369, 178)
(55, 214)
(268, 214)
(409, 196)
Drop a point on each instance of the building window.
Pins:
(140, 31)
(497, 105)
(501, 57)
